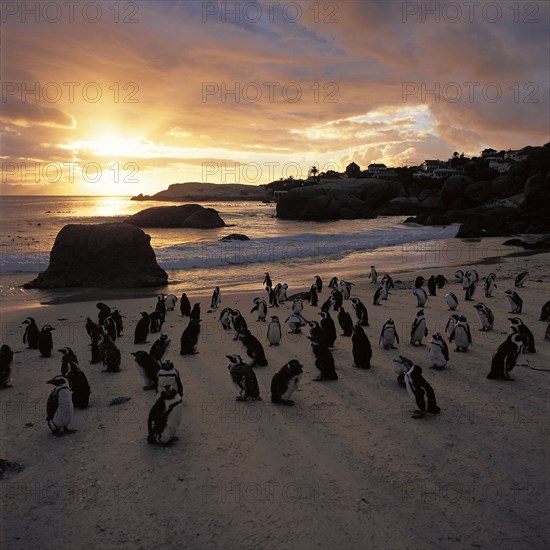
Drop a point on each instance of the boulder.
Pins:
(479, 192)
(536, 191)
(107, 255)
(427, 193)
(432, 203)
(186, 215)
(454, 188)
(234, 237)
(504, 186)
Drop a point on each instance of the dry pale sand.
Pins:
(346, 468)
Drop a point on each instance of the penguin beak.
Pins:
(50, 381)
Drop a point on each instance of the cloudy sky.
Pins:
(126, 97)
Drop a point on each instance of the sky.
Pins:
(120, 98)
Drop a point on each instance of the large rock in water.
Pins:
(186, 215)
(108, 255)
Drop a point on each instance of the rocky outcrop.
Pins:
(195, 191)
(186, 215)
(108, 255)
(234, 237)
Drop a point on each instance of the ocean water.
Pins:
(196, 260)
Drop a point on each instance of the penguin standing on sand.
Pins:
(297, 305)
(515, 301)
(155, 322)
(285, 381)
(254, 348)
(160, 347)
(327, 304)
(260, 305)
(238, 322)
(521, 279)
(142, 329)
(440, 281)
(361, 349)
(160, 308)
(388, 335)
(380, 294)
(244, 379)
(104, 312)
(68, 357)
(387, 281)
(324, 360)
(519, 327)
(78, 382)
(216, 298)
(459, 275)
(337, 299)
(421, 296)
(373, 275)
(185, 305)
(171, 301)
(345, 322)
(470, 291)
(281, 293)
(419, 282)
(461, 335)
(165, 417)
(360, 312)
(94, 333)
(451, 323)
(109, 326)
(190, 337)
(109, 353)
(45, 341)
(272, 297)
(345, 289)
(169, 375)
(31, 334)
(505, 357)
(432, 286)
(486, 317)
(333, 283)
(195, 312)
(6, 359)
(295, 322)
(313, 298)
(274, 332)
(225, 318)
(439, 352)
(545, 312)
(267, 280)
(452, 301)
(59, 408)
(319, 284)
(422, 393)
(490, 285)
(148, 368)
(419, 329)
(327, 324)
(117, 318)
(401, 366)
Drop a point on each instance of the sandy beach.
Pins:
(347, 467)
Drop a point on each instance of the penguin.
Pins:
(345, 322)
(519, 327)
(295, 322)
(345, 287)
(505, 357)
(165, 417)
(387, 281)
(156, 321)
(281, 293)
(324, 360)
(316, 332)
(473, 275)
(521, 279)
(274, 332)
(470, 291)
(422, 393)
(267, 280)
(452, 301)
(337, 299)
(104, 312)
(171, 301)
(419, 329)
(91, 328)
(117, 318)
(216, 298)
(142, 329)
(195, 312)
(225, 318)
(160, 347)
(272, 297)
(327, 304)
(313, 298)
(486, 317)
(244, 379)
(459, 275)
(421, 296)
(160, 308)
(547, 333)
(79, 385)
(490, 285)
(59, 408)
(31, 334)
(68, 357)
(109, 326)
(466, 282)
(190, 338)
(185, 305)
(360, 312)
(545, 312)
(6, 359)
(319, 284)
(285, 381)
(254, 348)
(440, 281)
(419, 282)
(327, 324)
(167, 374)
(373, 275)
(461, 335)
(333, 283)
(515, 301)
(451, 323)
(380, 294)
(439, 352)
(109, 353)
(94, 333)
(432, 286)
(401, 366)
(238, 322)
(260, 305)
(148, 368)
(388, 335)
(45, 342)
(297, 306)
(361, 349)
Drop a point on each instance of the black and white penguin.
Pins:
(59, 408)
(281, 293)
(295, 322)
(327, 304)
(490, 285)
(68, 357)
(45, 341)
(110, 354)
(285, 381)
(267, 280)
(319, 284)
(190, 337)
(419, 282)
(380, 294)
(216, 298)
(451, 323)
(142, 329)
(195, 312)
(466, 282)
(388, 335)
(329, 328)
(419, 329)
(333, 283)
(148, 368)
(165, 417)
(519, 327)
(260, 305)
(238, 322)
(171, 301)
(361, 350)
(272, 295)
(79, 385)
(156, 320)
(160, 307)
(316, 332)
(91, 328)
(472, 275)
(160, 347)
(185, 305)
(421, 296)
(373, 275)
(337, 299)
(244, 379)
(254, 348)
(486, 317)
(452, 301)
(440, 281)
(31, 334)
(167, 374)
(117, 318)
(6, 359)
(470, 291)
(274, 332)
(387, 281)
(324, 360)
(95, 333)
(459, 275)
(360, 312)
(545, 312)
(505, 357)
(432, 286)
(109, 326)
(345, 322)
(515, 300)
(461, 335)
(297, 305)
(104, 312)
(313, 298)
(401, 366)
(521, 279)
(226, 317)
(345, 287)
(422, 393)
(439, 352)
